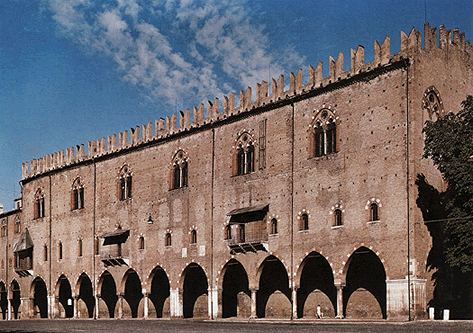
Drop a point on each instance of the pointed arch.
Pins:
(39, 294)
(432, 103)
(273, 279)
(364, 271)
(108, 293)
(15, 300)
(77, 194)
(85, 292)
(39, 204)
(63, 292)
(195, 291)
(313, 276)
(160, 291)
(243, 153)
(235, 286)
(131, 288)
(125, 182)
(3, 300)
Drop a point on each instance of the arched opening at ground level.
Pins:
(40, 298)
(316, 288)
(273, 298)
(195, 292)
(236, 298)
(66, 304)
(133, 294)
(365, 282)
(15, 300)
(3, 300)
(159, 295)
(108, 296)
(85, 301)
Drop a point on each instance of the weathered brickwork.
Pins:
(291, 200)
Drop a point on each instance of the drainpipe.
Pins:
(293, 289)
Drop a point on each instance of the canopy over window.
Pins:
(248, 214)
(116, 237)
(25, 242)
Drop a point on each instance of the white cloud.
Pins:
(186, 50)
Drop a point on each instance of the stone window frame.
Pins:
(244, 153)
(179, 173)
(168, 239)
(80, 247)
(323, 132)
(304, 217)
(17, 225)
(228, 232)
(77, 194)
(432, 103)
(4, 228)
(193, 236)
(338, 213)
(369, 207)
(39, 210)
(141, 242)
(45, 252)
(60, 251)
(125, 183)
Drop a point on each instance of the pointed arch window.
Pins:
(168, 239)
(194, 236)
(39, 204)
(179, 170)
(374, 212)
(323, 133)
(79, 247)
(125, 182)
(432, 103)
(274, 226)
(17, 225)
(141, 243)
(77, 199)
(45, 253)
(59, 250)
(4, 228)
(241, 233)
(338, 217)
(244, 156)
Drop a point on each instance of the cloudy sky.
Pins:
(72, 71)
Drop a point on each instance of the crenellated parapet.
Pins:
(411, 45)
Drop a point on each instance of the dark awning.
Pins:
(248, 214)
(25, 242)
(116, 237)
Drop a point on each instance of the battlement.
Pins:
(163, 128)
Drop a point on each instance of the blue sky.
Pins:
(79, 70)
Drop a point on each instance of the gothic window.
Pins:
(323, 133)
(337, 213)
(125, 181)
(304, 222)
(274, 226)
(228, 232)
(432, 103)
(244, 155)
(79, 247)
(59, 250)
(194, 236)
(39, 204)
(167, 239)
(179, 170)
(45, 253)
(17, 225)
(374, 212)
(4, 228)
(141, 243)
(77, 198)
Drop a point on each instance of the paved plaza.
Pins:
(188, 326)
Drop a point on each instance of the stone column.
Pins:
(176, 306)
(145, 305)
(8, 308)
(294, 302)
(339, 287)
(75, 300)
(213, 303)
(253, 303)
(97, 310)
(120, 306)
(52, 306)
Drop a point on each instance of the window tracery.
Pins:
(77, 194)
(244, 154)
(179, 170)
(323, 132)
(39, 204)
(125, 182)
(432, 103)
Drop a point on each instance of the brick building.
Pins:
(292, 199)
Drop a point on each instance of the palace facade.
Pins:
(290, 199)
